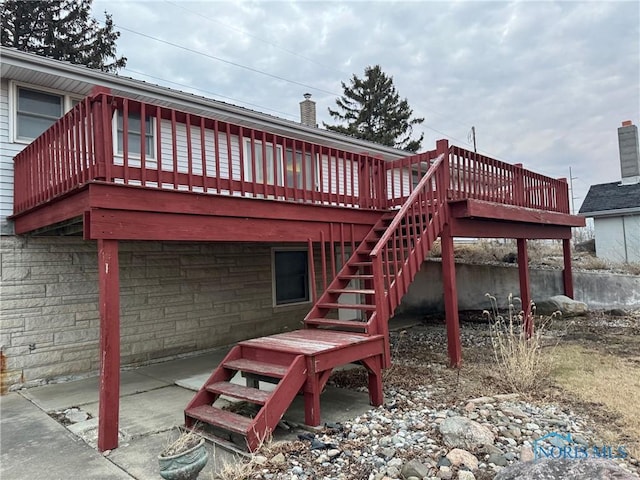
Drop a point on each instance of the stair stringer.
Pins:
(276, 406)
(424, 212)
(220, 374)
(361, 254)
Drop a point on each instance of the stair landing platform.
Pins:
(342, 347)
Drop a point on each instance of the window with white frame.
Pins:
(36, 111)
(257, 159)
(299, 173)
(135, 134)
(291, 276)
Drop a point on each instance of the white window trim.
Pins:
(134, 156)
(67, 104)
(246, 152)
(273, 277)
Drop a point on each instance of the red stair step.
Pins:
(359, 264)
(258, 368)
(240, 392)
(356, 277)
(356, 291)
(338, 323)
(359, 306)
(220, 418)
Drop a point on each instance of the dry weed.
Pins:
(185, 440)
(522, 363)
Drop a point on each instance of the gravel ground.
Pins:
(410, 435)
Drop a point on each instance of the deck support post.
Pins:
(525, 294)
(567, 274)
(109, 299)
(374, 369)
(450, 298)
(312, 390)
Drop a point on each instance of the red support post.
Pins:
(567, 275)
(525, 294)
(109, 299)
(454, 345)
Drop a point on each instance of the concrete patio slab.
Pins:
(173, 370)
(34, 446)
(150, 412)
(59, 396)
(140, 457)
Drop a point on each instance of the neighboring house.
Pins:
(615, 206)
(140, 223)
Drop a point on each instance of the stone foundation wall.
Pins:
(175, 298)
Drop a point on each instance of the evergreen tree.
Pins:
(60, 29)
(373, 110)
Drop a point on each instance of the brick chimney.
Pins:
(629, 153)
(308, 111)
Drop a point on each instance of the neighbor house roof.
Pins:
(611, 198)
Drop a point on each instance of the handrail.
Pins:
(405, 208)
(177, 150)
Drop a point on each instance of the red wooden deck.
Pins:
(208, 180)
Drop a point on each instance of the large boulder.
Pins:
(564, 468)
(567, 306)
(460, 432)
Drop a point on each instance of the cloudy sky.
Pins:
(544, 83)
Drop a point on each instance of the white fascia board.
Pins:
(611, 213)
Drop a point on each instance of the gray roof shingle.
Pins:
(611, 196)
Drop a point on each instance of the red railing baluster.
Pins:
(79, 148)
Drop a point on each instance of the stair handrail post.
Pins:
(442, 148)
(382, 307)
(102, 112)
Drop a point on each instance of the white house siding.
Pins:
(8, 150)
(618, 238)
(182, 159)
(632, 231)
(398, 183)
(175, 298)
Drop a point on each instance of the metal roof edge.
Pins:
(611, 213)
(80, 72)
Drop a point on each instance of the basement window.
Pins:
(291, 276)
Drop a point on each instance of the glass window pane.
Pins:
(292, 279)
(46, 104)
(134, 134)
(32, 127)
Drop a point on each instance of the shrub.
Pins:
(522, 363)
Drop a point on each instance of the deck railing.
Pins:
(485, 178)
(114, 139)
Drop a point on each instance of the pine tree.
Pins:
(60, 29)
(373, 110)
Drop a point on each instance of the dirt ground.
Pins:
(595, 369)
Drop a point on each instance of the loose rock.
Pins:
(460, 432)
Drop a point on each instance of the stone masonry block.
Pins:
(49, 322)
(72, 288)
(76, 336)
(38, 358)
(37, 339)
(15, 273)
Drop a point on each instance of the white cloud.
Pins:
(544, 83)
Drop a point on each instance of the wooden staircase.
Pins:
(376, 276)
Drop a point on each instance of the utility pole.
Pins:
(573, 197)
